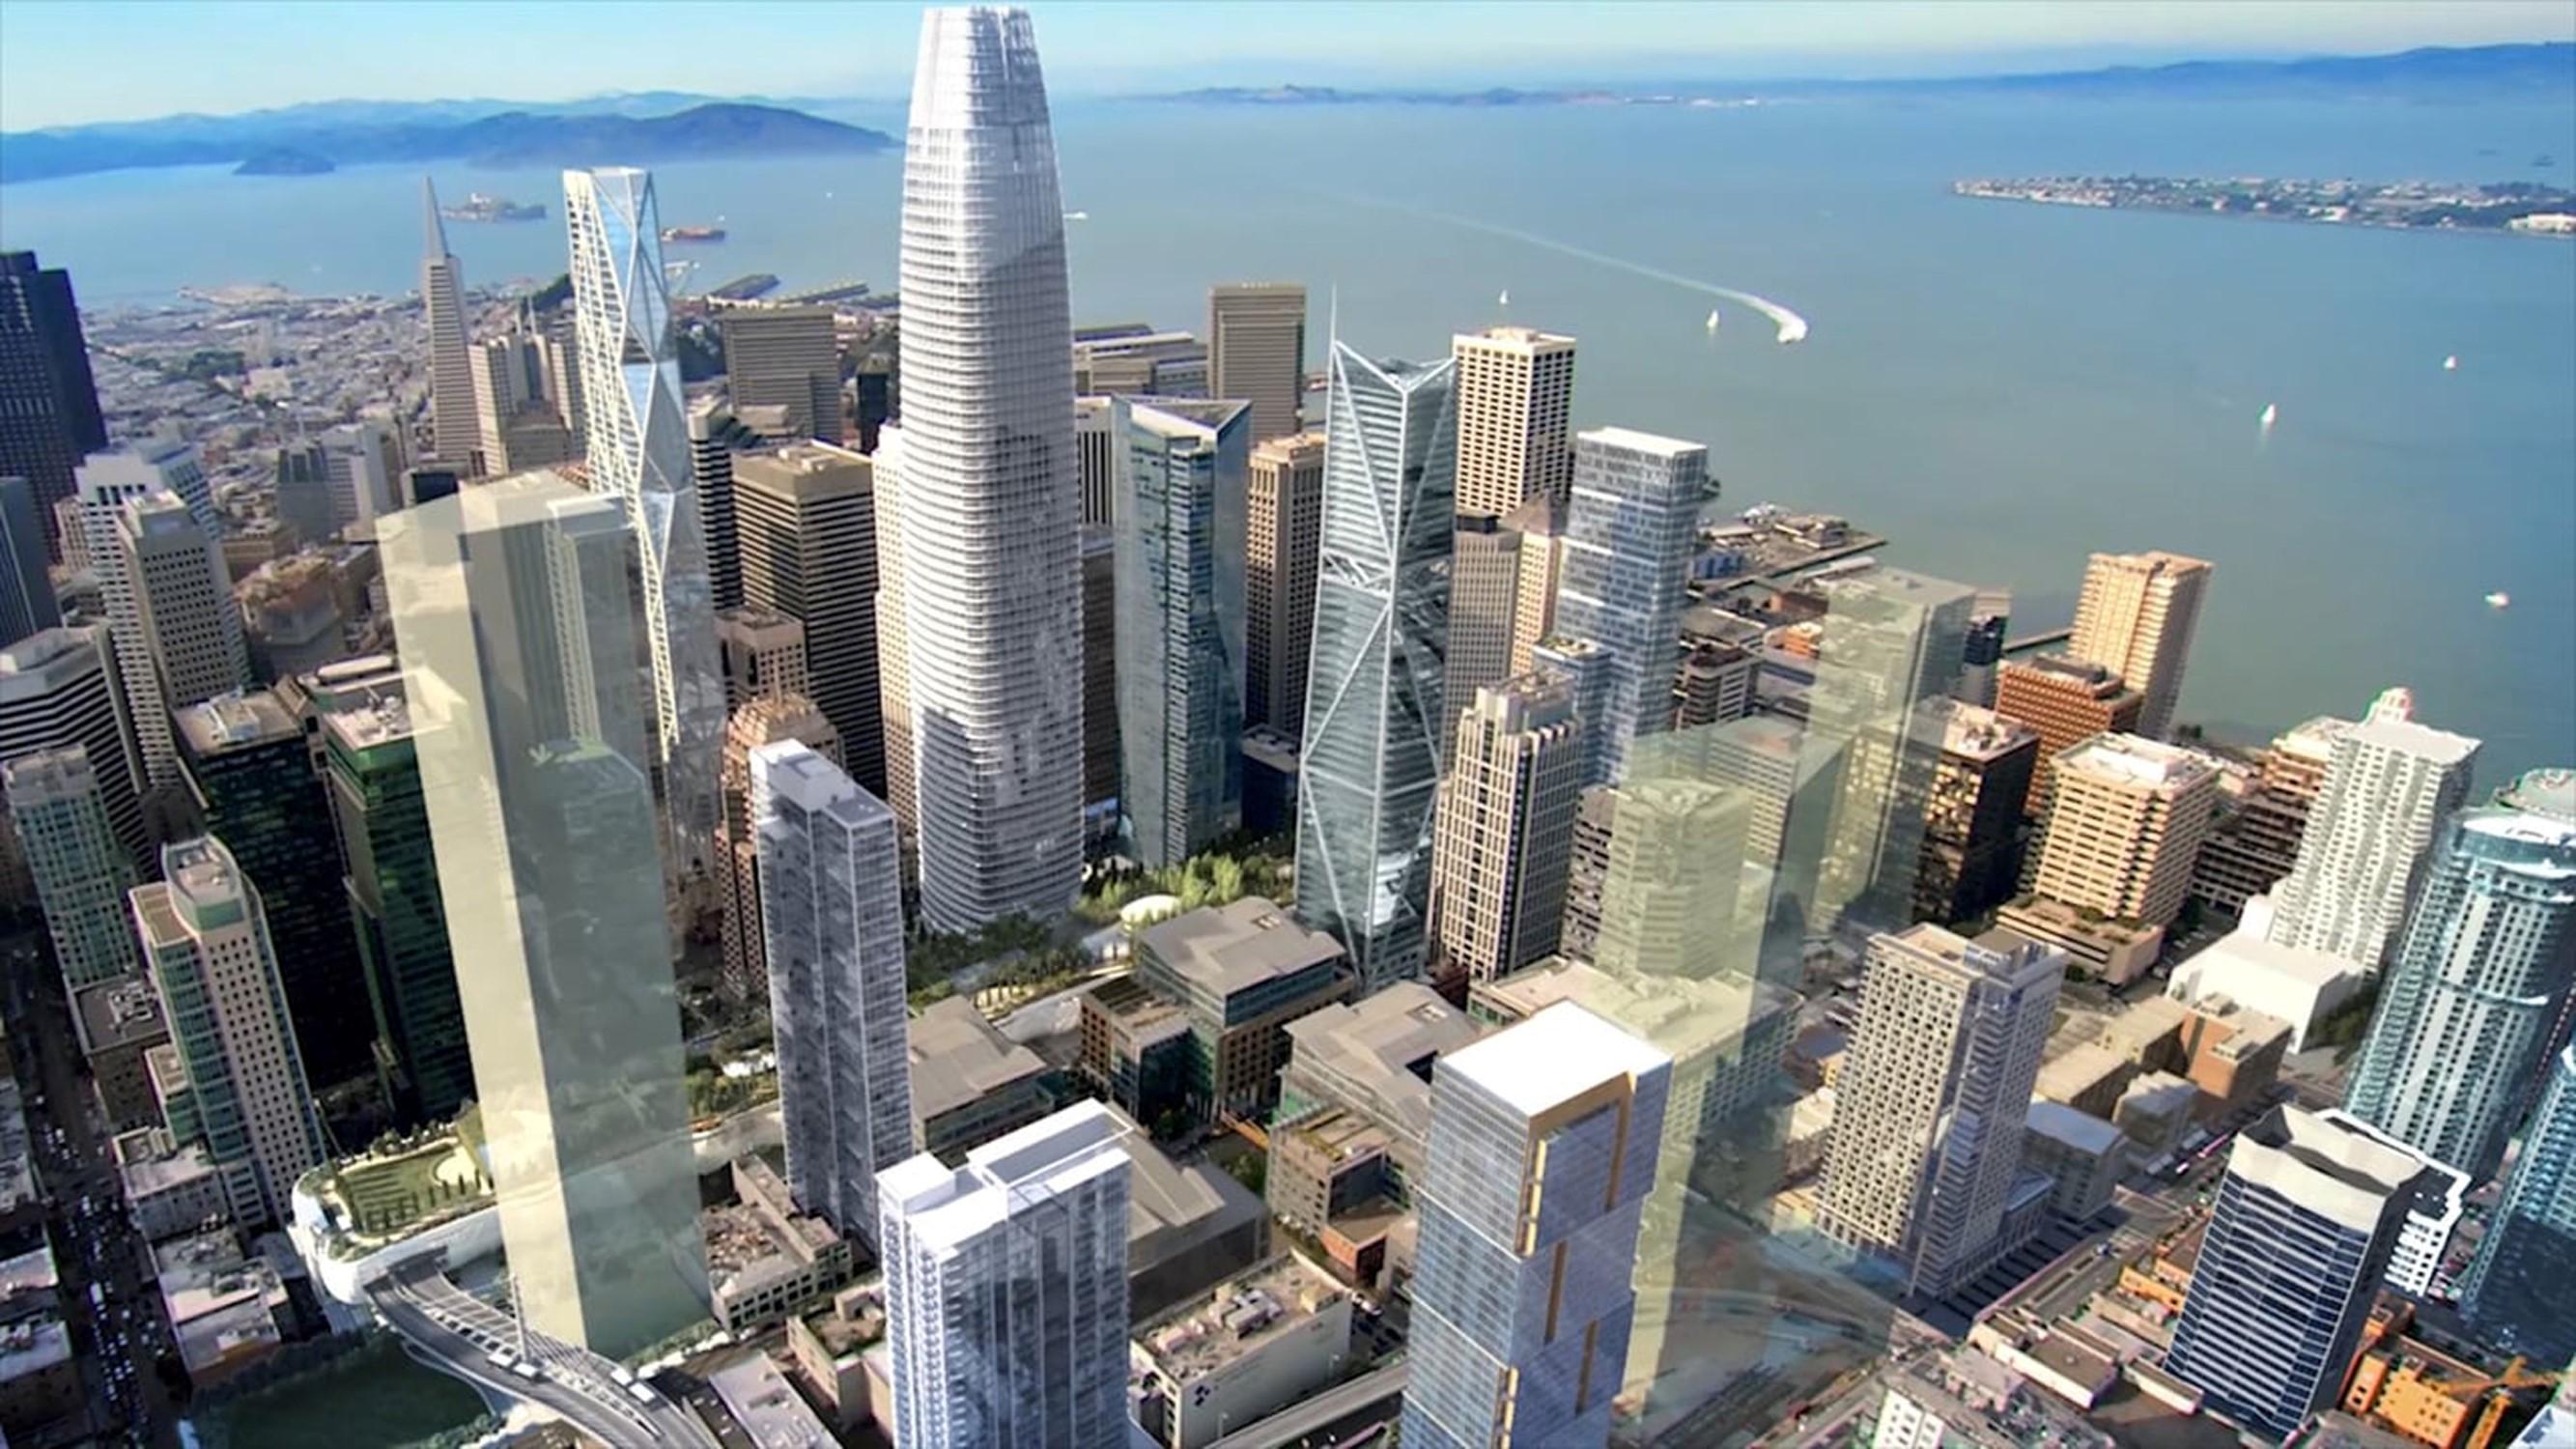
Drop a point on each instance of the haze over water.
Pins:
(1997, 387)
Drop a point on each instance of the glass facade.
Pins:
(1372, 763)
(80, 871)
(1180, 475)
(2516, 1290)
(1629, 532)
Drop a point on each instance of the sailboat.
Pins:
(2451, 363)
(1712, 319)
(2271, 415)
(1504, 300)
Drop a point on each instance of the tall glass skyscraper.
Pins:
(2475, 988)
(81, 873)
(638, 453)
(51, 420)
(2516, 1291)
(1179, 470)
(1629, 534)
(990, 508)
(1371, 777)
(511, 605)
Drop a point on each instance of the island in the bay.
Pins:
(2519, 206)
(481, 206)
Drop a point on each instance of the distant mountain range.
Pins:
(324, 135)
(2478, 72)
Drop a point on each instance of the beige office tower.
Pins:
(1283, 513)
(183, 601)
(1484, 570)
(1515, 389)
(2126, 827)
(1540, 524)
(2135, 618)
(765, 720)
(515, 615)
(894, 665)
(1257, 351)
(1930, 1106)
(807, 520)
(763, 654)
(785, 357)
(1506, 825)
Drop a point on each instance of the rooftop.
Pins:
(1679, 1016)
(2328, 1167)
(17, 1167)
(2391, 725)
(947, 1208)
(771, 1414)
(1383, 1045)
(1973, 732)
(791, 769)
(1559, 1053)
(2082, 1131)
(2128, 760)
(1226, 949)
(958, 1058)
(1633, 441)
(1263, 1305)
(236, 721)
(120, 1011)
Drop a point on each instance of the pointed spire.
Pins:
(433, 231)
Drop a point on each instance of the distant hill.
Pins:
(347, 133)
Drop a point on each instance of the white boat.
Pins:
(2499, 600)
(1504, 300)
(2271, 415)
(1792, 329)
(1712, 319)
(1077, 216)
(2451, 363)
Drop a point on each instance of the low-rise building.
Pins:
(1260, 1342)
(1372, 1059)
(119, 1020)
(2113, 950)
(2084, 1157)
(1242, 973)
(1188, 1227)
(2087, 1077)
(1136, 1050)
(766, 1260)
(970, 1083)
(2155, 1109)
(2438, 1395)
(40, 1380)
(228, 1310)
(171, 1191)
(2297, 984)
(766, 1408)
(2232, 1053)
(1326, 1164)
(830, 1345)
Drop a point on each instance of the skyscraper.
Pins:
(511, 603)
(1372, 738)
(58, 688)
(1094, 450)
(1542, 1151)
(1506, 826)
(1972, 830)
(991, 571)
(517, 425)
(206, 940)
(81, 872)
(2390, 783)
(2307, 1214)
(1931, 1102)
(1540, 523)
(810, 550)
(638, 453)
(51, 419)
(1257, 351)
(108, 481)
(763, 652)
(2135, 617)
(2516, 1290)
(249, 766)
(2254, 846)
(2126, 827)
(1515, 390)
(785, 357)
(1484, 570)
(1284, 508)
(1628, 537)
(1178, 576)
(183, 605)
(831, 887)
(1006, 1288)
(453, 430)
(363, 462)
(26, 594)
(2476, 987)
(764, 721)
(716, 436)
(894, 649)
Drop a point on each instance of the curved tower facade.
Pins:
(991, 509)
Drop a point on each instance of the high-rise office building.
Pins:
(1257, 351)
(894, 649)
(1372, 767)
(206, 940)
(764, 721)
(1972, 831)
(785, 357)
(1284, 509)
(363, 463)
(1542, 1151)
(2475, 988)
(52, 419)
(810, 550)
(182, 602)
(1540, 522)
(1484, 571)
(638, 453)
(1515, 391)
(1103, 753)
(2068, 701)
(831, 887)
(992, 571)
(1178, 576)
(1006, 1288)
(2126, 827)
(58, 688)
(763, 653)
(2390, 783)
(1629, 531)
(1715, 682)
(517, 425)
(2135, 617)
(26, 594)
(390, 873)
(2250, 849)
(1093, 454)
(2306, 1217)
(1989, 625)
(453, 430)
(2515, 1293)
(108, 481)
(1506, 827)
(1931, 1102)
(512, 607)
(81, 872)
(303, 495)
(716, 434)
(249, 767)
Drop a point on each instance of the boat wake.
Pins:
(1789, 326)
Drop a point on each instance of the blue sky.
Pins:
(64, 63)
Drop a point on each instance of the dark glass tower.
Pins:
(49, 418)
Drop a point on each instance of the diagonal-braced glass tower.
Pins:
(638, 454)
(1371, 771)
(991, 569)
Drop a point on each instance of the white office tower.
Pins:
(1541, 1153)
(363, 467)
(109, 481)
(81, 872)
(2390, 783)
(1506, 826)
(831, 915)
(183, 601)
(1006, 1289)
(453, 429)
(990, 508)
(1628, 537)
(58, 688)
(638, 453)
(1932, 1101)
